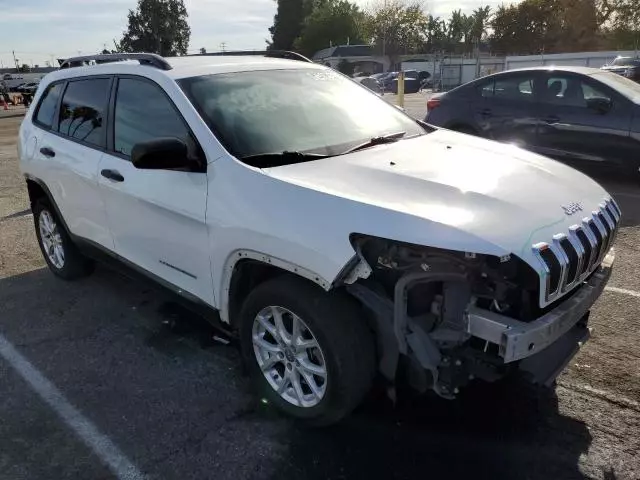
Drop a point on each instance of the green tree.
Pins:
(397, 27)
(157, 26)
(289, 21)
(334, 22)
(480, 21)
(436, 34)
(531, 27)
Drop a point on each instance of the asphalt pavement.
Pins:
(106, 378)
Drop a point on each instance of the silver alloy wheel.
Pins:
(289, 356)
(51, 239)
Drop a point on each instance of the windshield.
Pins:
(624, 61)
(622, 85)
(303, 110)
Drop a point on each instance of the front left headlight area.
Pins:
(419, 299)
(507, 285)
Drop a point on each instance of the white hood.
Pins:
(499, 198)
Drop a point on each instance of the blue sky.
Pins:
(39, 30)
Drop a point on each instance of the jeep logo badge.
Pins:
(572, 208)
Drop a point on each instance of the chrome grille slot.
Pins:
(614, 206)
(570, 258)
(574, 260)
(588, 250)
(613, 212)
(598, 233)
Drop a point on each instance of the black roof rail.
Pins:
(263, 53)
(150, 59)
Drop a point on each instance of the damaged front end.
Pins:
(455, 316)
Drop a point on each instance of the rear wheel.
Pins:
(58, 250)
(308, 352)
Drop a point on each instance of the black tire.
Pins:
(75, 264)
(342, 334)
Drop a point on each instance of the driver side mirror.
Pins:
(600, 105)
(161, 154)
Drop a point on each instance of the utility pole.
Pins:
(223, 46)
(384, 31)
(15, 60)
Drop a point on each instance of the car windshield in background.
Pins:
(622, 85)
(300, 110)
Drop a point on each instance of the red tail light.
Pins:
(433, 103)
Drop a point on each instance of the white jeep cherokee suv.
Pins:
(336, 236)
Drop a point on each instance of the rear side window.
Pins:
(518, 88)
(47, 107)
(143, 112)
(82, 113)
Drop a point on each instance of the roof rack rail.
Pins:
(264, 53)
(150, 59)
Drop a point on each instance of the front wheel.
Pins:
(308, 352)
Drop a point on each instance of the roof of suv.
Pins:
(188, 66)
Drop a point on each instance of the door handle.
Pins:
(552, 119)
(485, 112)
(112, 175)
(47, 152)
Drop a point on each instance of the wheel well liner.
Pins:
(247, 275)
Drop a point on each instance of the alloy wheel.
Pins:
(289, 356)
(51, 239)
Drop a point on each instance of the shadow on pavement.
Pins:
(190, 399)
(493, 431)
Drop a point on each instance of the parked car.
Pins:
(371, 83)
(29, 87)
(626, 66)
(568, 113)
(411, 85)
(338, 240)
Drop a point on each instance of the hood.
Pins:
(496, 193)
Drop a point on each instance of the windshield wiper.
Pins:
(266, 160)
(389, 138)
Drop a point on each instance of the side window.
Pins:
(570, 91)
(82, 113)
(515, 88)
(143, 112)
(590, 92)
(47, 107)
(486, 89)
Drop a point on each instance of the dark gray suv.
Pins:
(568, 113)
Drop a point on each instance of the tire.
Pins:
(71, 264)
(346, 349)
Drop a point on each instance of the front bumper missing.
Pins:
(518, 340)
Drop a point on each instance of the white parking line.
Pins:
(624, 291)
(87, 431)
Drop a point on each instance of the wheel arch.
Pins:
(245, 269)
(37, 189)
